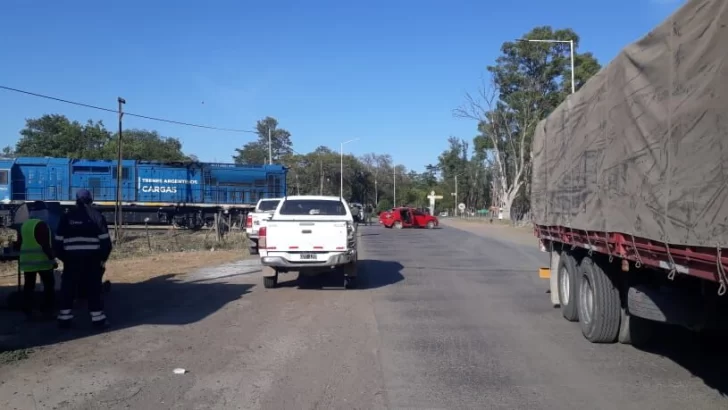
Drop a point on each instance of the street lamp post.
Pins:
(341, 167)
(571, 47)
(456, 193)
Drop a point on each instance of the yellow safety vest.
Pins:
(32, 257)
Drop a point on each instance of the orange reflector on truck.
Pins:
(544, 273)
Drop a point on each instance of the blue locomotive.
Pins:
(185, 194)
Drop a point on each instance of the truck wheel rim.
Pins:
(565, 282)
(586, 296)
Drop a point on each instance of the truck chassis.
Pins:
(618, 286)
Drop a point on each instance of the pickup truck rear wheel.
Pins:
(398, 225)
(599, 303)
(270, 277)
(350, 282)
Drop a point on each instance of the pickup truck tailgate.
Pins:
(307, 236)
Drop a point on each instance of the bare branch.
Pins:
(507, 127)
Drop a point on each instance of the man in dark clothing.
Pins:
(36, 257)
(84, 245)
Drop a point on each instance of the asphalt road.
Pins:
(443, 319)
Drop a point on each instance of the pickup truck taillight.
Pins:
(262, 238)
(249, 222)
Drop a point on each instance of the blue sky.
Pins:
(387, 72)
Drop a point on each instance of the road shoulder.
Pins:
(503, 232)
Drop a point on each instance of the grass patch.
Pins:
(12, 356)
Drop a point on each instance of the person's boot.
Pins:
(64, 318)
(100, 324)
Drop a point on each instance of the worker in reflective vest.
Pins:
(84, 245)
(36, 257)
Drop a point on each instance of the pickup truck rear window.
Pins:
(312, 207)
(268, 205)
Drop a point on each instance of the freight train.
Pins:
(185, 194)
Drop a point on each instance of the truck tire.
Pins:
(634, 330)
(568, 274)
(598, 302)
(270, 277)
(398, 225)
(430, 225)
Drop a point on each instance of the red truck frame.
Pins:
(700, 262)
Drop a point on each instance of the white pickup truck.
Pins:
(309, 235)
(263, 211)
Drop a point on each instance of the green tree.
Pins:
(8, 152)
(145, 145)
(256, 152)
(55, 135)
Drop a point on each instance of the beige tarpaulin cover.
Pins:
(642, 148)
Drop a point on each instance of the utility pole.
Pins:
(394, 184)
(270, 147)
(376, 192)
(118, 214)
(457, 209)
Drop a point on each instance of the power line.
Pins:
(187, 124)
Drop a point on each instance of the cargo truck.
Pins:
(629, 186)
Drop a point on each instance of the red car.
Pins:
(405, 217)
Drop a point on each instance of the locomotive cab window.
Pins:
(124, 173)
(4, 176)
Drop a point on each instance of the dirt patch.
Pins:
(174, 263)
(521, 234)
(144, 254)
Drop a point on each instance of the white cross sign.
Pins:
(432, 197)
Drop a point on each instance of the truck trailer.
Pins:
(630, 185)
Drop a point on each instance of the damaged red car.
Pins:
(406, 217)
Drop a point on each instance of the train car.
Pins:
(181, 193)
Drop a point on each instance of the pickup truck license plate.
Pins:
(308, 256)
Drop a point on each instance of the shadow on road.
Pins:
(703, 355)
(163, 300)
(373, 274)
